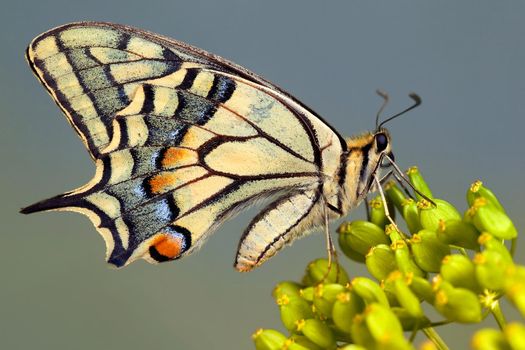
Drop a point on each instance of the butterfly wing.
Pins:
(181, 138)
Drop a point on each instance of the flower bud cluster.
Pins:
(327, 310)
(458, 264)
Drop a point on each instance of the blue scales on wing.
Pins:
(181, 140)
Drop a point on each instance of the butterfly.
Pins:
(183, 139)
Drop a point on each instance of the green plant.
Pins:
(460, 265)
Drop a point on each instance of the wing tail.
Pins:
(59, 202)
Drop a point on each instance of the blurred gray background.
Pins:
(466, 60)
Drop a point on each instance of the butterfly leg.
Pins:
(381, 181)
(403, 186)
(330, 247)
(385, 205)
(386, 177)
(403, 178)
(367, 209)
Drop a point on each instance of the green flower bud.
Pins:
(286, 288)
(346, 307)
(409, 322)
(300, 342)
(394, 194)
(384, 326)
(369, 291)
(515, 274)
(458, 304)
(490, 268)
(380, 261)
(419, 183)
(421, 287)
(393, 233)
(340, 336)
(489, 242)
(515, 335)
(307, 293)
(324, 298)
(352, 347)
(439, 283)
(487, 217)
(468, 214)
(460, 272)
(358, 237)
(408, 300)
(268, 339)
(330, 291)
(293, 309)
(459, 233)
(322, 308)
(515, 287)
(489, 339)
(377, 212)
(360, 333)
(430, 215)
(317, 272)
(404, 259)
(428, 345)
(318, 333)
(428, 251)
(516, 294)
(390, 291)
(477, 190)
(411, 215)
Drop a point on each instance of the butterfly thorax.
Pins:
(361, 162)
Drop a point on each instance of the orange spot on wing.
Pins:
(167, 245)
(161, 182)
(177, 156)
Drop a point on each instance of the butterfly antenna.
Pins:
(417, 102)
(384, 95)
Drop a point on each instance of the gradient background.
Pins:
(466, 59)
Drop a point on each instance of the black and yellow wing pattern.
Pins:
(182, 140)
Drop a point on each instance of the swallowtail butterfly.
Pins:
(183, 139)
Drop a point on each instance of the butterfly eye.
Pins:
(381, 142)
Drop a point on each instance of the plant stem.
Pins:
(414, 332)
(498, 315)
(434, 337)
(440, 323)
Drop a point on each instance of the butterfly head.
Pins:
(366, 155)
(381, 142)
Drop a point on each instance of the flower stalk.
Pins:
(434, 337)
